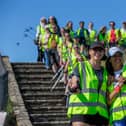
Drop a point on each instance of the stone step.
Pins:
(29, 97)
(43, 94)
(38, 101)
(42, 97)
(35, 76)
(59, 102)
(49, 115)
(32, 71)
(45, 89)
(49, 111)
(45, 118)
(47, 104)
(25, 81)
(41, 89)
(47, 108)
(51, 123)
(38, 83)
(29, 66)
(26, 63)
(20, 64)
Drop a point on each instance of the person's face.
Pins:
(96, 53)
(44, 21)
(117, 59)
(124, 26)
(67, 36)
(62, 31)
(81, 25)
(112, 24)
(70, 24)
(90, 25)
(52, 20)
(104, 30)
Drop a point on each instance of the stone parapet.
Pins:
(20, 111)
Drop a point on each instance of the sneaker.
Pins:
(62, 79)
(47, 67)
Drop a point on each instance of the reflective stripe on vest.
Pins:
(88, 104)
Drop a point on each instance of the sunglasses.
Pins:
(98, 49)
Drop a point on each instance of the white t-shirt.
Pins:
(117, 74)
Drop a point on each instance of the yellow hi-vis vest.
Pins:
(123, 37)
(41, 30)
(85, 34)
(53, 37)
(118, 105)
(89, 101)
(123, 34)
(92, 36)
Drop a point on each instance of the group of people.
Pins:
(94, 69)
(52, 40)
(98, 95)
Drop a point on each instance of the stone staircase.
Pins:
(45, 108)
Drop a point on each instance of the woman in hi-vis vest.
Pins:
(116, 87)
(87, 101)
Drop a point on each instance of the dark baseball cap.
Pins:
(96, 44)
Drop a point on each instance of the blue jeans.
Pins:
(46, 56)
(120, 122)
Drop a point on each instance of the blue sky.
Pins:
(17, 15)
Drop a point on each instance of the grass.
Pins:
(11, 119)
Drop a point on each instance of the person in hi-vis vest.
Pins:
(112, 35)
(87, 101)
(40, 31)
(116, 87)
(122, 42)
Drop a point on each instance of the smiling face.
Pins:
(117, 59)
(96, 53)
(67, 36)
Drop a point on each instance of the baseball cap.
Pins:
(113, 50)
(96, 44)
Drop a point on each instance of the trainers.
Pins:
(47, 67)
(62, 79)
